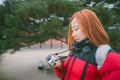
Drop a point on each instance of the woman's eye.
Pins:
(76, 29)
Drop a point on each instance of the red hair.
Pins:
(91, 27)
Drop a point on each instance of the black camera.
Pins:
(52, 59)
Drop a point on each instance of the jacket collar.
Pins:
(85, 46)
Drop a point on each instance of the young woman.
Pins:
(86, 34)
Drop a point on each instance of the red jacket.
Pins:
(110, 70)
(75, 67)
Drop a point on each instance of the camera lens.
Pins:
(48, 58)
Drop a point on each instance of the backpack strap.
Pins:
(101, 54)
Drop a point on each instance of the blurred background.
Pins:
(33, 26)
(27, 22)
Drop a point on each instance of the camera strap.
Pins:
(62, 52)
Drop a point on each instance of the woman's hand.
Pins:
(58, 64)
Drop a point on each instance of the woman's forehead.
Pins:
(74, 22)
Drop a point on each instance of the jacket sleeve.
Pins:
(110, 69)
(59, 71)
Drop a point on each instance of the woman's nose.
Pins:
(73, 34)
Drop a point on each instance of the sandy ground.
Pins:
(23, 65)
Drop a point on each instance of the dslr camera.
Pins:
(52, 59)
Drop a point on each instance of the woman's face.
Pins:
(77, 33)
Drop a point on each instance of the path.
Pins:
(23, 65)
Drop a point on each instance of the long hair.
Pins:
(91, 27)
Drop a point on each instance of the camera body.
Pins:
(52, 59)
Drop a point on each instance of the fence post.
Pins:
(61, 44)
(51, 43)
(28, 45)
(40, 45)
